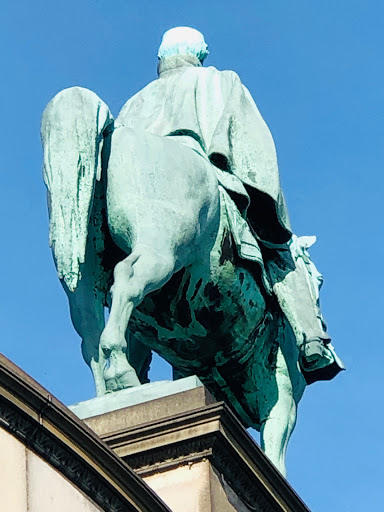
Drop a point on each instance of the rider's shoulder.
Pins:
(226, 74)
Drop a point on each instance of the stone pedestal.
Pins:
(51, 461)
(194, 453)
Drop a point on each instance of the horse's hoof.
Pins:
(111, 385)
(128, 380)
(123, 381)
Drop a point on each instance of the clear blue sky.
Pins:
(315, 71)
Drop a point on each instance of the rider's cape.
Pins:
(214, 108)
(209, 110)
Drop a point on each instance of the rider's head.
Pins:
(183, 41)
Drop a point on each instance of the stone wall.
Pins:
(29, 484)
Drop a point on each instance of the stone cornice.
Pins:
(211, 432)
(46, 426)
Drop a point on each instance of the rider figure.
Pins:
(224, 125)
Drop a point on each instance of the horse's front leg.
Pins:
(144, 271)
(277, 429)
(280, 417)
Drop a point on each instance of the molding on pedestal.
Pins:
(210, 432)
(46, 426)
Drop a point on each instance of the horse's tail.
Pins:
(72, 131)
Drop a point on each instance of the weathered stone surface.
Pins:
(157, 409)
(196, 455)
(50, 460)
(132, 396)
(13, 473)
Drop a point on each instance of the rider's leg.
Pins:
(144, 271)
(292, 290)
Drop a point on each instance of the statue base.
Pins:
(133, 396)
(191, 450)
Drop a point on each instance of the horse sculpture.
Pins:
(140, 223)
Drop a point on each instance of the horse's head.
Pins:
(299, 249)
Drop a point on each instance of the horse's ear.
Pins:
(306, 242)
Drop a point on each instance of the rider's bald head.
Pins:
(183, 41)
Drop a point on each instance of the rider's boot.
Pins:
(317, 357)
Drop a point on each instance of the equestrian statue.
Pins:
(172, 217)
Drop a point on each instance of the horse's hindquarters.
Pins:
(214, 323)
(162, 194)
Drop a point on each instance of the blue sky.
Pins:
(315, 72)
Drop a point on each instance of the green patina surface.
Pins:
(172, 217)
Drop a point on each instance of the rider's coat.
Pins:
(217, 111)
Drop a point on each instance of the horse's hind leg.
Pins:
(144, 271)
(87, 314)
